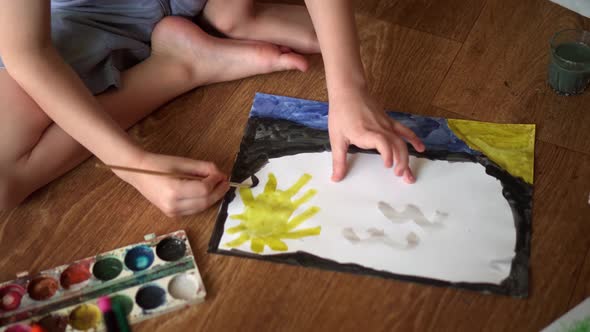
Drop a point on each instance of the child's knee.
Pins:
(232, 26)
(232, 20)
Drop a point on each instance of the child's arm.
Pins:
(32, 61)
(355, 117)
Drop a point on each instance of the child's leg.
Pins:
(280, 24)
(34, 151)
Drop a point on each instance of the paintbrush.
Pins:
(169, 174)
(108, 315)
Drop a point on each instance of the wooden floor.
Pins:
(472, 59)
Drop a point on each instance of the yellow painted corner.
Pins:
(511, 146)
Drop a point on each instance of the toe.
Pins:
(292, 61)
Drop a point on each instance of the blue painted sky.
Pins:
(433, 131)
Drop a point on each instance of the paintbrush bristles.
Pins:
(159, 173)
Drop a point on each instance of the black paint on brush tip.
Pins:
(255, 181)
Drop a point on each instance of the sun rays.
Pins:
(267, 218)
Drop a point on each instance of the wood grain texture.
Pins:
(405, 67)
(88, 210)
(452, 19)
(500, 72)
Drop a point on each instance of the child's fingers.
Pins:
(217, 193)
(339, 150)
(394, 152)
(193, 205)
(189, 206)
(195, 167)
(402, 156)
(188, 189)
(409, 176)
(285, 49)
(384, 149)
(195, 188)
(409, 135)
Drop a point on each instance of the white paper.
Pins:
(464, 233)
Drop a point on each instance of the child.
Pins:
(79, 72)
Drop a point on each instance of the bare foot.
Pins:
(212, 59)
(281, 24)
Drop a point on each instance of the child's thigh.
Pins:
(101, 38)
(22, 122)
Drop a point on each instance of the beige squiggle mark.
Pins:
(411, 212)
(379, 236)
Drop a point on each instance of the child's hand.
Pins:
(178, 197)
(355, 118)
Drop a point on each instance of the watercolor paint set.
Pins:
(147, 279)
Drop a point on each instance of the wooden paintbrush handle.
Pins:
(159, 173)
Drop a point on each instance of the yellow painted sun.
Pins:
(267, 220)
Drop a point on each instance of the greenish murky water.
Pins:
(570, 78)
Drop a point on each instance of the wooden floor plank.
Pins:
(452, 19)
(500, 73)
(404, 67)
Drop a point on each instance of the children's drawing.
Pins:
(412, 212)
(508, 145)
(465, 223)
(267, 218)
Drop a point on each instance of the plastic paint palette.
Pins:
(148, 279)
